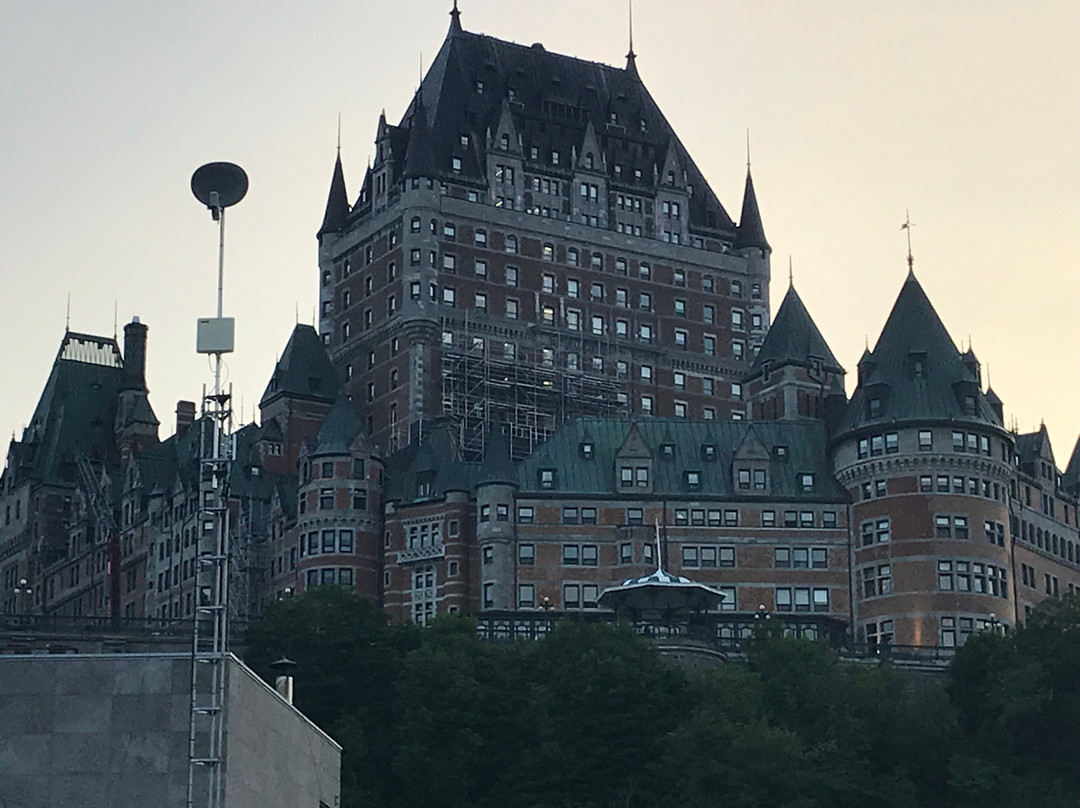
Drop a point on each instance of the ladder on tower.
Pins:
(209, 643)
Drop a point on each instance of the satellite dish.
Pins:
(219, 185)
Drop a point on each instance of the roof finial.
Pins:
(115, 318)
(339, 135)
(455, 19)
(630, 8)
(790, 273)
(748, 150)
(297, 305)
(907, 225)
(67, 317)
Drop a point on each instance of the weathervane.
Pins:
(907, 225)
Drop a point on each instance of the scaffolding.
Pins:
(532, 379)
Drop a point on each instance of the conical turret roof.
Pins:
(915, 371)
(339, 430)
(337, 203)
(750, 232)
(794, 338)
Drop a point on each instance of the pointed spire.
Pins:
(455, 20)
(750, 233)
(631, 57)
(337, 202)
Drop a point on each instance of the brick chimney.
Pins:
(185, 416)
(135, 355)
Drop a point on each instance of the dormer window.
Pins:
(667, 451)
(455, 164)
(547, 478)
(464, 141)
(807, 483)
(780, 453)
(874, 407)
(708, 452)
(586, 450)
(589, 160)
(815, 366)
(504, 142)
(479, 87)
(693, 480)
(744, 479)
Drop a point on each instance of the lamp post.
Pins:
(22, 592)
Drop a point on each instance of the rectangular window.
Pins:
(571, 555)
(525, 515)
(526, 596)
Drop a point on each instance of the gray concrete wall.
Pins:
(82, 731)
(275, 755)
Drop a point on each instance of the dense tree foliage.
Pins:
(592, 716)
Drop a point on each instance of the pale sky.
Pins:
(966, 111)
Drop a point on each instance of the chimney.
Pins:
(135, 355)
(185, 416)
(283, 684)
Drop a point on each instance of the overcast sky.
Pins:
(966, 111)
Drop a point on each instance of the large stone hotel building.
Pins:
(544, 358)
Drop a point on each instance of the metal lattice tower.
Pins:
(218, 186)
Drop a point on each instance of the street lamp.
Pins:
(23, 590)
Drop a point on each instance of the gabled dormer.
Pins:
(750, 467)
(634, 471)
(672, 211)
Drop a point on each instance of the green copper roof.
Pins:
(915, 371)
(339, 430)
(794, 338)
(434, 466)
(678, 446)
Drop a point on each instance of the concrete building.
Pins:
(112, 729)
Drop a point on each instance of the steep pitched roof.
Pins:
(794, 338)
(553, 98)
(751, 232)
(76, 411)
(341, 427)
(915, 371)
(497, 465)
(435, 463)
(337, 203)
(1070, 480)
(304, 370)
(707, 447)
